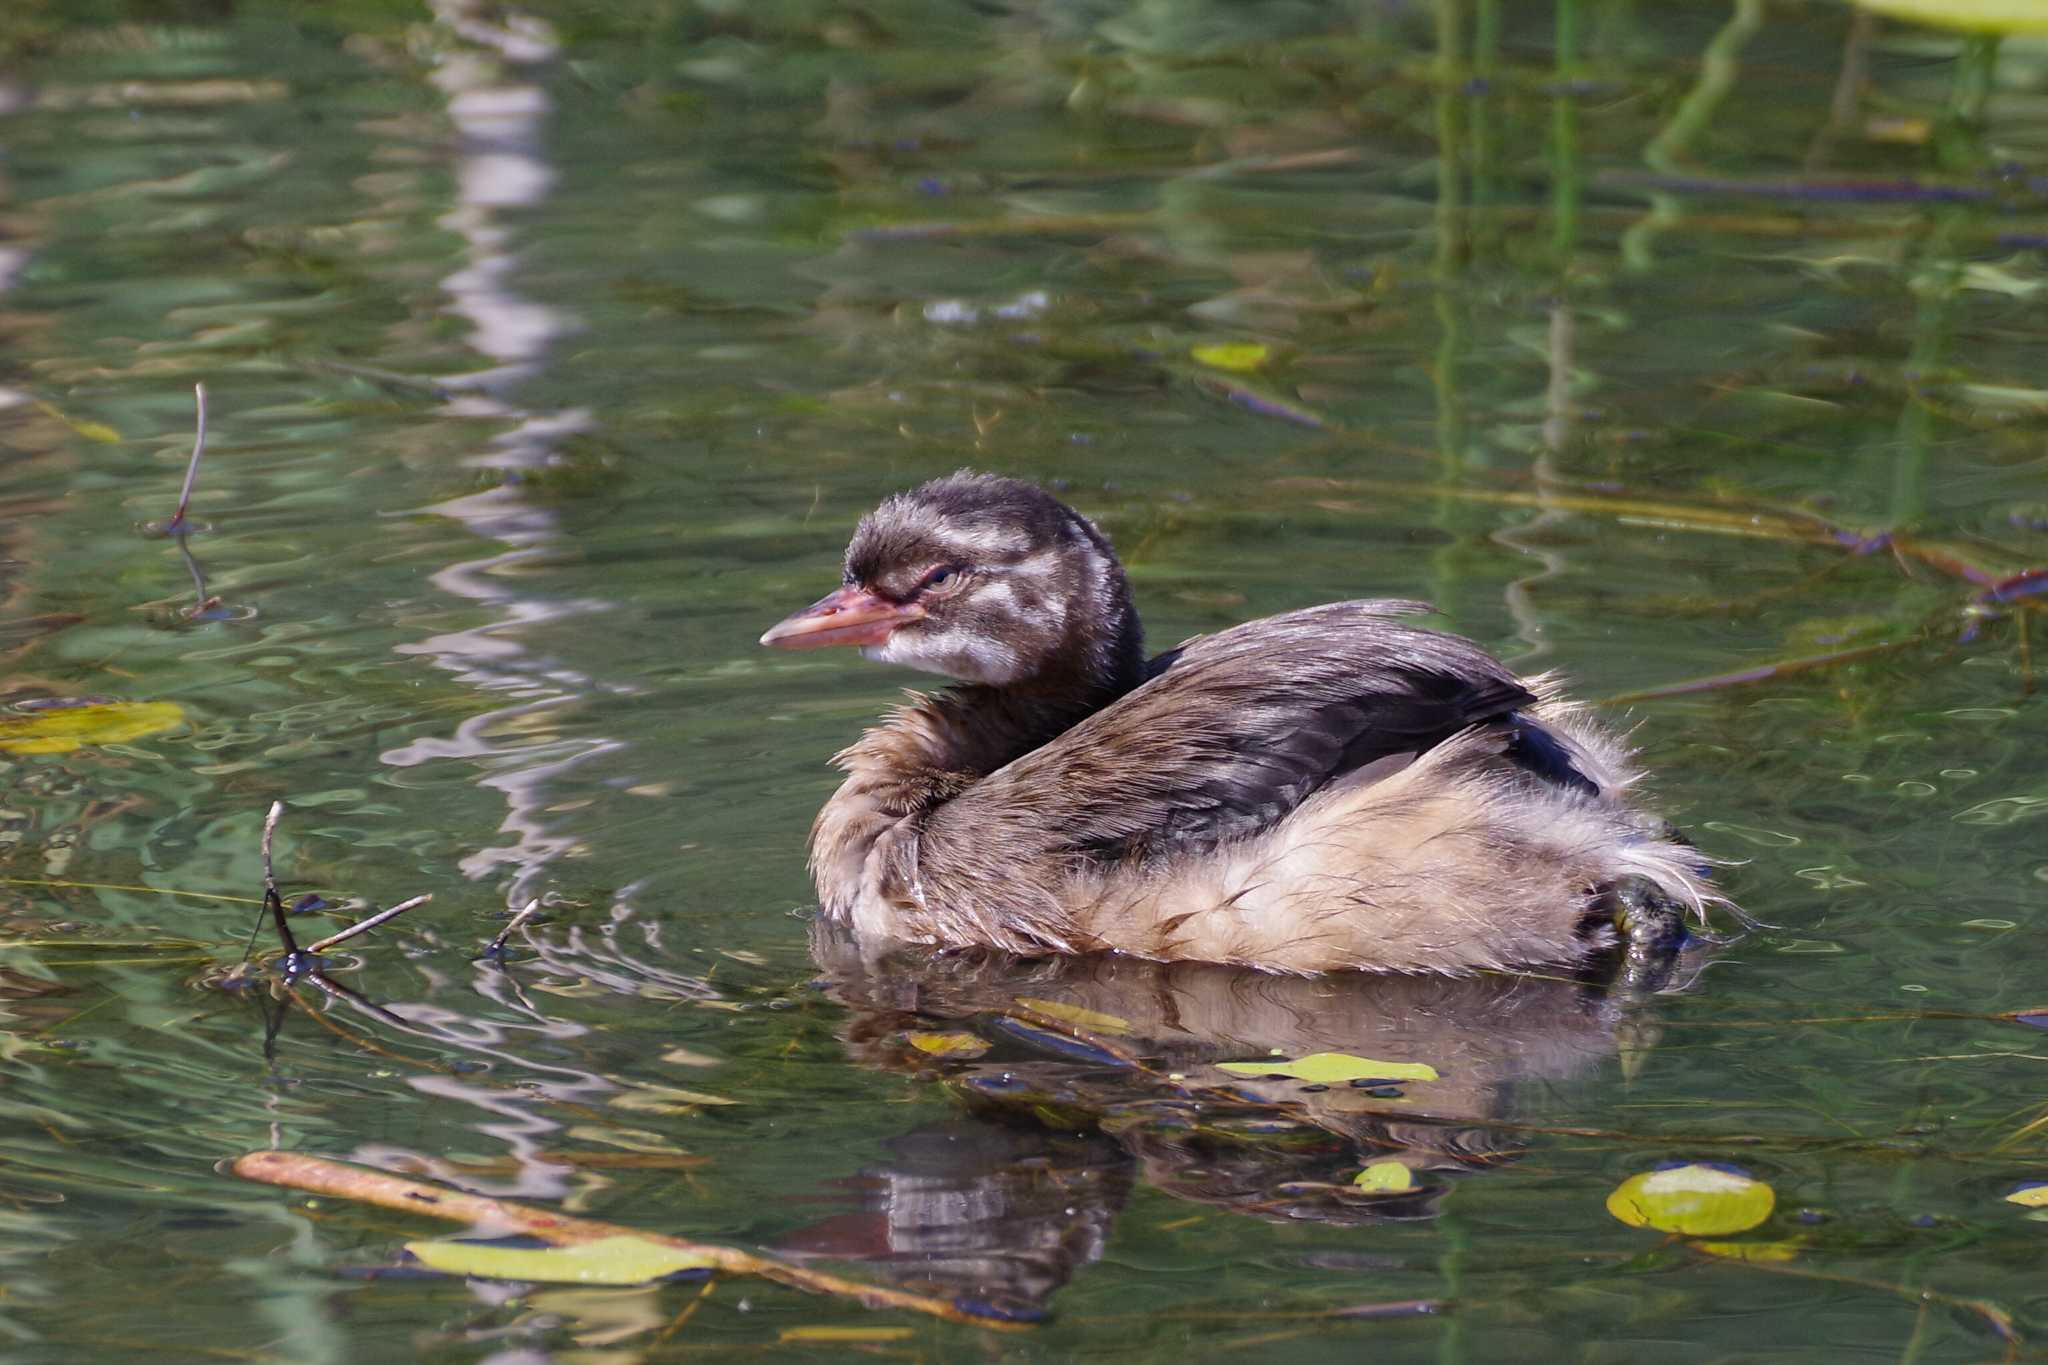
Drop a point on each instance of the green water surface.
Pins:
(551, 353)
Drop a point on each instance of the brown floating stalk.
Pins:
(317, 1175)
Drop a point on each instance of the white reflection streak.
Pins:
(500, 166)
(524, 1133)
(13, 258)
(1559, 420)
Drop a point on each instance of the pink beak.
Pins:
(851, 616)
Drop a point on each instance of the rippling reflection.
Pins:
(1088, 1073)
(500, 166)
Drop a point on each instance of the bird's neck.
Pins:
(930, 750)
(920, 757)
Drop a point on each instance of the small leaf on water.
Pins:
(91, 431)
(1332, 1068)
(609, 1260)
(627, 1139)
(949, 1044)
(846, 1335)
(1750, 1251)
(664, 1099)
(2032, 1195)
(62, 729)
(1389, 1177)
(1699, 1201)
(1238, 356)
(1971, 16)
(1074, 1014)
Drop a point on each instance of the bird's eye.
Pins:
(943, 574)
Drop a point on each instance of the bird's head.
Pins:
(983, 580)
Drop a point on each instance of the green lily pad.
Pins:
(60, 729)
(1333, 1068)
(2032, 1196)
(1385, 1177)
(1971, 16)
(1699, 1201)
(949, 1044)
(1239, 356)
(609, 1260)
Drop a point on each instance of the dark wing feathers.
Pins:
(1236, 729)
(1543, 754)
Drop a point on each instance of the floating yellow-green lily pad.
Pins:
(1241, 356)
(1970, 16)
(949, 1044)
(609, 1260)
(1699, 1201)
(1092, 1020)
(60, 729)
(1333, 1068)
(1385, 1177)
(2034, 1196)
(91, 431)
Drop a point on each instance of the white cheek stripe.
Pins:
(950, 654)
(985, 540)
(1044, 564)
(997, 591)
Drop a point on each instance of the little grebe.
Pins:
(1329, 788)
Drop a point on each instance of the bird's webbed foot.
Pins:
(1651, 929)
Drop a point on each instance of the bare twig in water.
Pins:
(176, 525)
(364, 926)
(317, 1175)
(65, 882)
(296, 961)
(335, 990)
(1771, 672)
(270, 819)
(517, 922)
(273, 902)
(689, 1311)
(202, 601)
(270, 896)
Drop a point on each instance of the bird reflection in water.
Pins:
(1082, 1075)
